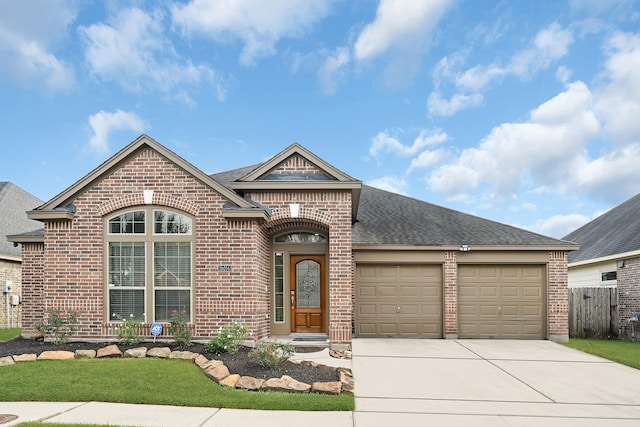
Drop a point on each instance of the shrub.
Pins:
(59, 325)
(129, 331)
(271, 353)
(180, 329)
(228, 339)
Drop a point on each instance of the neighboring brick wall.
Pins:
(628, 296)
(10, 270)
(450, 295)
(557, 297)
(329, 210)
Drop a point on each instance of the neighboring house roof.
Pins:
(14, 202)
(615, 232)
(386, 218)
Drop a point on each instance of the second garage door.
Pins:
(398, 301)
(501, 301)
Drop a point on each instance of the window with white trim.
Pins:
(149, 264)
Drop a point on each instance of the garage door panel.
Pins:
(407, 301)
(501, 301)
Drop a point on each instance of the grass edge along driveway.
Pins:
(625, 352)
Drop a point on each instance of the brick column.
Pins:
(628, 296)
(450, 295)
(557, 297)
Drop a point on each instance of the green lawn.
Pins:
(150, 381)
(625, 352)
(9, 334)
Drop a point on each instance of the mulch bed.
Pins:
(238, 363)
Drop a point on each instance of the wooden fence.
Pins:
(593, 313)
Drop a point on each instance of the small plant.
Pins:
(59, 325)
(180, 328)
(228, 339)
(271, 353)
(129, 332)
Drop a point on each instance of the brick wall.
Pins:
(73, 261)
(32, 299)
(331, 211)
(10, 270)
(558, 297)
(628, 296)
(450, 295)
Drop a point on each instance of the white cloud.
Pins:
(390, 183)
(104, 123)
(559, 226)
(333, 70)
(399, 24)
(28, 40)
(427, 159)
(133, 51)
(544, 149)
(549, 45)
(258, 24)
(384, 142)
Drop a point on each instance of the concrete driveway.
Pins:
(489, 383)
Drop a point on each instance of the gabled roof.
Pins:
(14, 202)
(325, 176)
(388, 219)
(615, 232)
(57, 207)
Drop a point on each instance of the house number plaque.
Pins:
(224, 268)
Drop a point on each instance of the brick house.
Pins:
(290, 246)
(609, 256)
(14, 202)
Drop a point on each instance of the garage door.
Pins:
(398, 301)
(501, 301)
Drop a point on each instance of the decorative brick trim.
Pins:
(136, 199)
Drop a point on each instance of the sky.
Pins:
(523, 112)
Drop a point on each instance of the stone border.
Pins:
(214, 369)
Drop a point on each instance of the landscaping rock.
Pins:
(249, 383)
(183, 355)
(217, 372)
(160, 352)
(31, 357)
(201, 360)
(56, 355)
(7, 360)
(346, 378)
(85, 354)
(287, 384)
(230, 381)
(211, 363)
(137, 352)
(333, 387)
(109, 351)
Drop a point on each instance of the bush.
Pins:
(271, 353)
(180, 329)
(229, 338)
(129, 332)
(59, 325)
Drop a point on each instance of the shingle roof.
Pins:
(615, 232)
(14, 202)
(386, 218)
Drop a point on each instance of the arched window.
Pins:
(149, 254)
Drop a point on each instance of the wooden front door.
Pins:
(308, 293)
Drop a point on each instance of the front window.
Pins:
(149, 266)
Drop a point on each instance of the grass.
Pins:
(625, 352)
(9, 334)
(146, 381)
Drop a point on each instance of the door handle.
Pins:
(293, 300)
